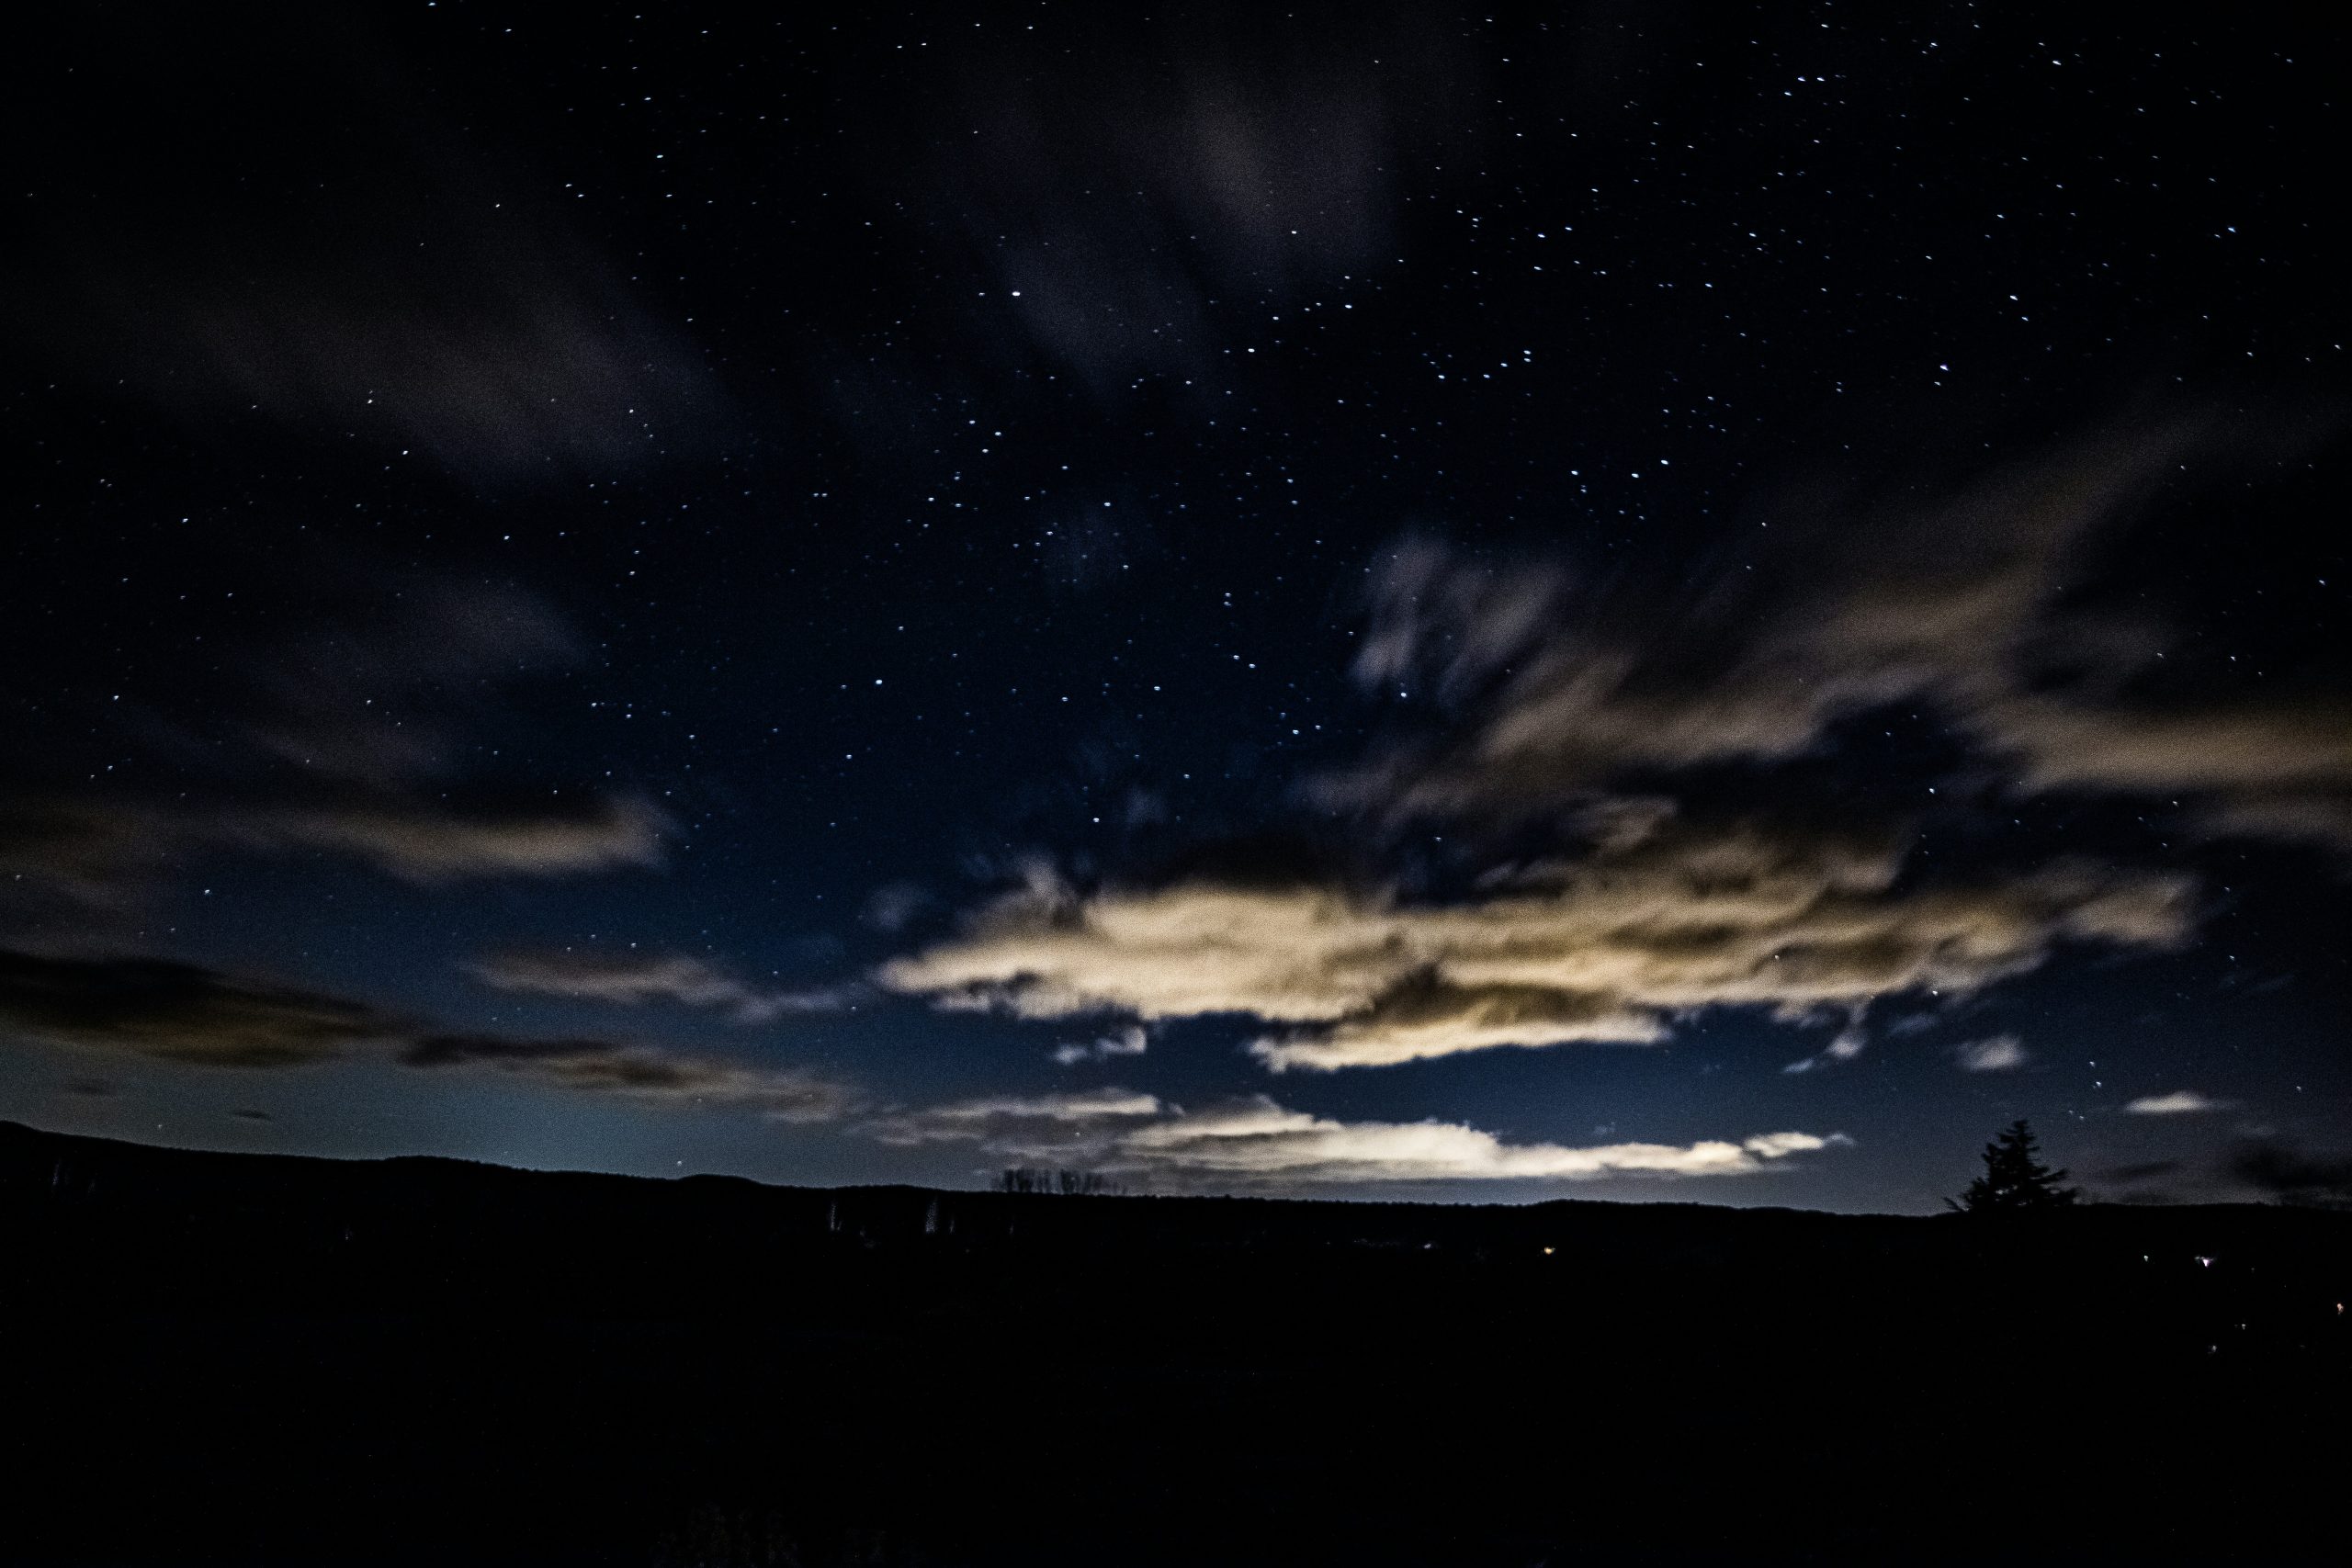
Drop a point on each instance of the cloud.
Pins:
(179, 1012)
(449, 306)
(1848, 1044)
(1550, 687)
(1054, 1128)
(349, 730)
(894, 908)
(435, 845)
(2180, 1102)
(2321, 819)
(370, 675)
(1132, 1041)
(630, 979)
(1260, 1141)
(782, 1094)
(2142, 1171)
(2000, 1054)
(1609, 948)
(1272, 170)
(2295, 1175)
(1423, 1016)
(95, 855)
(1257, 1141)
(182, 1012)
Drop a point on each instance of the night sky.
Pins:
(1628, 601)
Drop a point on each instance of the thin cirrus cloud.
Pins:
(96, 854)
(345, 729)
(448, 307)
(1276, 174)
(631, 979)
(1608, 948)
(2180, 1102)
(437, 844)
(1256, 1141)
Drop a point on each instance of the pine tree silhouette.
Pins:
(2014, 1178)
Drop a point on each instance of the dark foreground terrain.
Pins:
(241, 1360)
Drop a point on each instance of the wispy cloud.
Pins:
(2180, 1102)
(1132, 1041)
(1546, 686)
(630, 979)
(348, 729)
(781, 1094)
(1273, 170)
(419, 843)
(1848, 1043)
(2000, 1054)
(448, 308)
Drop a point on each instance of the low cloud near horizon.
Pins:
(1255, 1140)
(171, 1011)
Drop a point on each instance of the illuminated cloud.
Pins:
(1607, 949)
(1423, 1017)
(1132, 1041)
(2000, 1054)
(1257, 1141)
(629, 979)
(1260, 1141)
(2180, 1102)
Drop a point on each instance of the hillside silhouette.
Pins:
(269, 1360)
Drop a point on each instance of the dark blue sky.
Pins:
(1650, 602)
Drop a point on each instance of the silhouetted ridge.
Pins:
(298, 1360)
